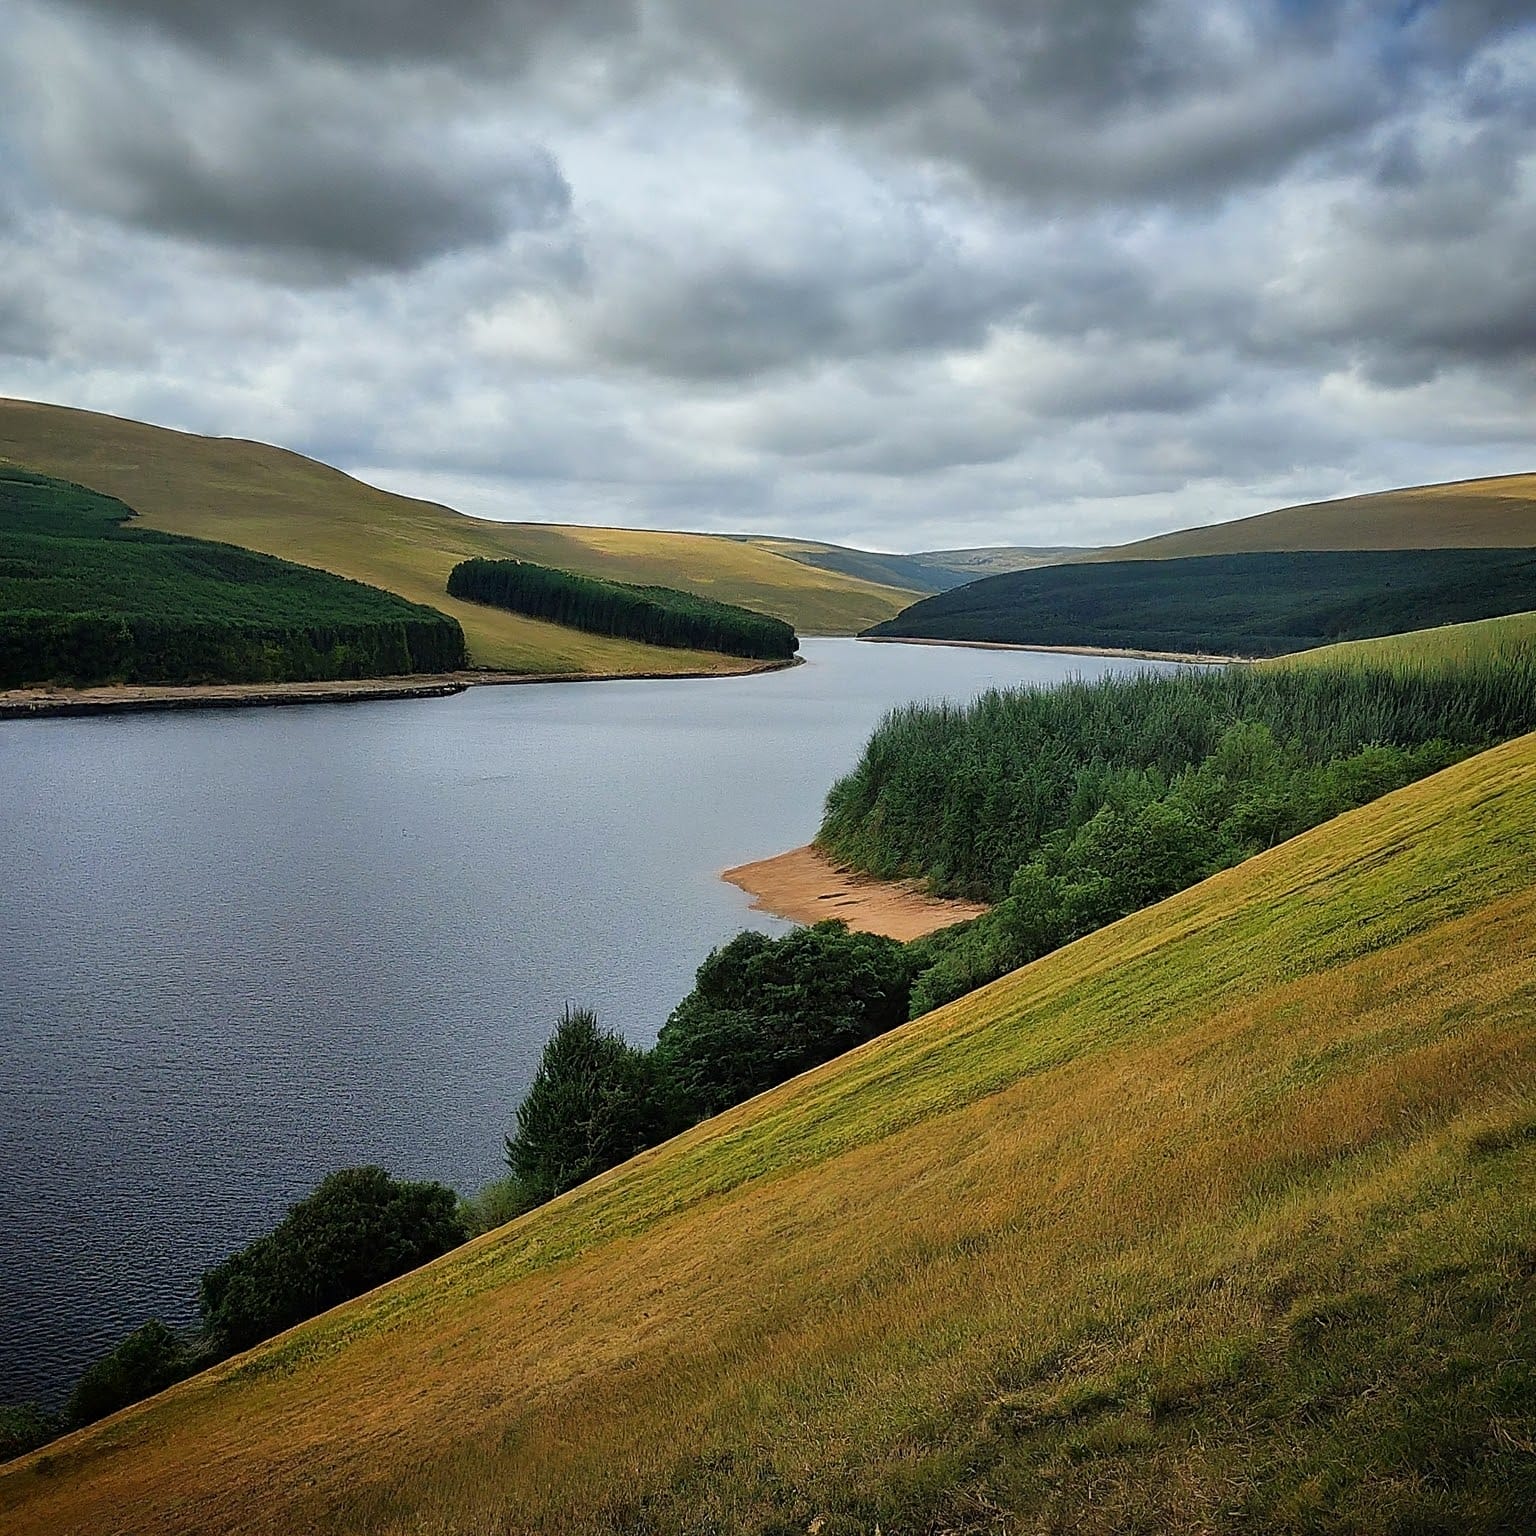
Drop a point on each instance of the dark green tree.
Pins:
(358, 1229)
(150, 1359)
(764, 1009)
(24, 1427)
(591, 1105)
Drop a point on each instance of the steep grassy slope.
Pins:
(1498, 513)
(268, 499)
(1221, 1218)
(1448, 645)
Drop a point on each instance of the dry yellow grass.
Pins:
(283, 504)
(1218, 1218)
(1496, 513)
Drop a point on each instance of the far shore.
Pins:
(124, 698)
(805, 886)
(1069, 650)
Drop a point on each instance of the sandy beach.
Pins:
(805, 886)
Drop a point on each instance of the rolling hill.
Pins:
(1220, 1218)
(87, 598)
(280, 503)
(1494, 513)
(1260, 604)
(1447, 645)
(934, 570)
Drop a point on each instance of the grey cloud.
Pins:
(26, 327)
(736, 318)
(1058, 100)
(319, 175)
(477, 33)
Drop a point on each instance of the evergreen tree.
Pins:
(591, 1105)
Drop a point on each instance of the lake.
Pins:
(247, 947)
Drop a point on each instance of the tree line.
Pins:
(86, 598)
(1263, 604)
(1069, 808)
(653, 615)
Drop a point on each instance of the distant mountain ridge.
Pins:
(933, 570)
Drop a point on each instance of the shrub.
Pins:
(358, 1229)
(24, 1427)
(765, 1009)
(150, 1359)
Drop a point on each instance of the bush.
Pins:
(150, 1359)
(24, 1427)
(765, 1009)
(501, 1201)
(358, 1229)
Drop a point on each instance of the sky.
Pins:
(882, 272)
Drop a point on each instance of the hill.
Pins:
(934, 570)
(1494, 513)
(88, 598)
(283, 504)
(1245, 605)
(1220, 1218)
(1447, 645)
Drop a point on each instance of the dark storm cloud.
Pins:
(1057, 100)
(316, 174)
(479, 34)
(339, 197)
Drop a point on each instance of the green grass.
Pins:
(265, 498)
(1444, 648)
(1498, 512)
(1218, 1219)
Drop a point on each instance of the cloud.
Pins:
(895, 274)
(319, 175)
(479, 34)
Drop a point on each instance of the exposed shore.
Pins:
(1068, 650)
(805, 886)
(52, 703)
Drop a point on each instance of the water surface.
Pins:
(244, 948)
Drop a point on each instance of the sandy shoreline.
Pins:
(805, 886)
(52, 703)
(1066, 650)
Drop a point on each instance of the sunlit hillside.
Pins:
(1218, 1219)
(1448, 645)
(281, 503)
(1496, 513)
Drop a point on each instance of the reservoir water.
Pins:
(244, 948)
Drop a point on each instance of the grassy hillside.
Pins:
(1498, 513)
(281, 503)
(1447, 645)
(1220, 1218)
(935, 570)
(1245, 605)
